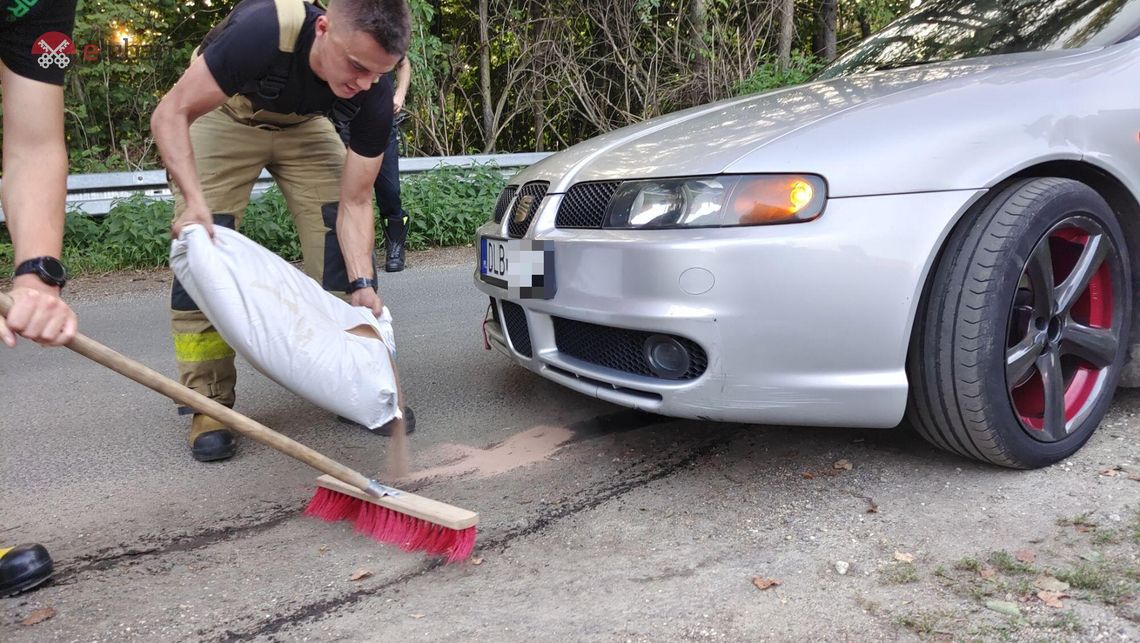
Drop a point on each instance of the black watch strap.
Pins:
(357, 284)
(49, 269)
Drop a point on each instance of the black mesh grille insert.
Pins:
(530, 195)
(619, 348)
(584, 205)
(505, 197)
(517, 330)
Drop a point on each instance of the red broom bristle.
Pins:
(389, 526)
(329, 505)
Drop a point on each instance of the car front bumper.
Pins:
(803, 324)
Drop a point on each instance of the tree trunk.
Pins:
(535, 13)
(485, 77)
(698, 27)
(829, 15)
(787, 32)
(539, 127)
(864, 22)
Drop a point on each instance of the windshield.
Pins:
(941, 30)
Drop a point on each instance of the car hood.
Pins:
(710, 138)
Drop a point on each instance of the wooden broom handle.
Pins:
(155, 381)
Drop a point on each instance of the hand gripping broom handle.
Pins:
(151, 379)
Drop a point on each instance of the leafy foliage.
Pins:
(268, 222)
(446, 205)
(769, 75)
(559, 72)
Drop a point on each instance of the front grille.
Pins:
(584, 205)
(517, 330)
(619, 348)
(505, 197)
(526, 204)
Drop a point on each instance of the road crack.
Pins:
(640, 474)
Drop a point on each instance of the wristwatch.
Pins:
(48, 269)
(357, 284)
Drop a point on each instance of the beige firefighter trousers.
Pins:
(232, 144)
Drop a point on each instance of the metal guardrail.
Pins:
(94, 194)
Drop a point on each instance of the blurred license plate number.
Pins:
(523, 266)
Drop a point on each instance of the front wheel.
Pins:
(1020, 341)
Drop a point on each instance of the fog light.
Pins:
(667, 357)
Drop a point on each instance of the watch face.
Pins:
(54, 270)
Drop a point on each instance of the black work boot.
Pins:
(394, 256)
(23, 567)
(395, 235)
(210, 440)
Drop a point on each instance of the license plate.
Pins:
(522, 266)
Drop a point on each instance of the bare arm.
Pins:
(354, 226)
(403, 81)
(34, 192)
(196, 93)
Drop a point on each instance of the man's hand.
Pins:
(40, 315)
(200, 215)
(397, 104)
(368, 298)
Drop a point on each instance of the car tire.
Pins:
(1022, 334)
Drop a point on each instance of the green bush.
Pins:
(137, 234)
(769, 76)
(268, 222)
(445, 206)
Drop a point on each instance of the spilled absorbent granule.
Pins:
(519, 450)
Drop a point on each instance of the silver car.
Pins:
(941, 225)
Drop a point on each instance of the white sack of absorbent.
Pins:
(281, 321)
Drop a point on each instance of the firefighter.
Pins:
(263, 92)
(34, 192)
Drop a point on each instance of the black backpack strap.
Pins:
(290, 20)
(269, 86)
(343, 110)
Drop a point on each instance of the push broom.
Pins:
(387, 514)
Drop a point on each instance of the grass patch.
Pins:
(983, 590)
(968, 565)
(1066, 622)
(921, 623)
(1106, 537)
(1110, 584)
(1085, 576)
(1018, 587)
(1005, 563)
(1006, 631)
(899, 574)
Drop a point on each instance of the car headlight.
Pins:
(715, 201)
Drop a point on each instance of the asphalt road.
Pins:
(598, 523)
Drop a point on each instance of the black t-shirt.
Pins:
(30, 38)
(245, 49)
